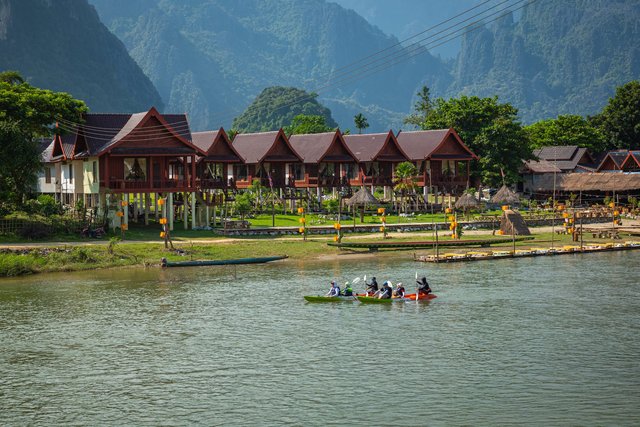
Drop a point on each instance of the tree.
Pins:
(489, 129)
(27, 113)
(405, 175)
(620, 118)
(421, 109)
(276, 108)
(303, 124)
(242, 204)
(361, 122)
(566, 130)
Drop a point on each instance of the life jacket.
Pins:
(386, 292)
(400, 291)
(348, 291)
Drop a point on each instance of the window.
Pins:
(350, 170)
(94, 170)
(461, 167)
(47, 174)
(135, 169)
(70, 172)
(327, 170)
(373, 169)
(296, 170)
(448, 167)
(240, 172)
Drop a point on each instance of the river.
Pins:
(535, 341)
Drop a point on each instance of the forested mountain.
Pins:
(560, 57)
(211, 58)
(62, 45)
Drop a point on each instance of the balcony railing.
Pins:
(156, 184)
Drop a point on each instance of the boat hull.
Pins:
(407, 298)
(238, 261)
(319, 298)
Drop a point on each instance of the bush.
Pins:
(49, 206)
(34, 231)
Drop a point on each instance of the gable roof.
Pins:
(541, 166)
(216, 146)
(319, 147)
(617, 157)
(589, 182)
(632, 161)
(101, 133)
(373, 147)
(565, 157)
(423, 144)
(265, 146)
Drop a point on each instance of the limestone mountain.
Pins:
(62, 45)
(211, 58)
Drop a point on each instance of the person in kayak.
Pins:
(399, 292)
(423, 286)
(372, 288)
(385, 291)
(348, 291)
(335, 289)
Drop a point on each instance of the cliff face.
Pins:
(62, 45)
(558, 58)
(212, 58)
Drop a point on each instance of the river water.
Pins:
(536, 341)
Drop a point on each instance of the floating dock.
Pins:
(374, 246)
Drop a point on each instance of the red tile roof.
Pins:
(256, 147)
(420, 145)
(216, 146)
(371, 147)
(314, 148)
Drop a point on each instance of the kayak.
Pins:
(407, 298)
(320, 298)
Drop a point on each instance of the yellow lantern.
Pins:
(300, 211)
(612, 205)
(560, 207)
(335, 238)
(381, 211)
(451, 218)
(124, 203)
(505, 207)
(302, 220)
(447, 211)
(382, 229)
(383, 218)
(301, 230)
(124, 227)
(500, 232)
(337, 226)
(120, 213)
(616, 213)
(163, 221)
(565, 215)
(569, 230)
(160, 201)
(162, 234)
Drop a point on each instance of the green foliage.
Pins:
(277, 107)
(48, 205)
(566, 130)
(331, 205)
(490, 130)
(242, 204)
(111, 247)
(405, 175)
(421, 109)
(361, 122)
(303, 124)
(620, 118)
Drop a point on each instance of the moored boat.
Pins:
(324, 298)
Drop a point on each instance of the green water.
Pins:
(536, 341)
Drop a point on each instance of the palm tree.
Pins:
(404, 180)
(361, 122)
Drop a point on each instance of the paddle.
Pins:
(417, 290)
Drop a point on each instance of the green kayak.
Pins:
(318, 298)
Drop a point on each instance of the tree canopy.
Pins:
(361, 122)
(277, 106)
(620, 118)
(421, 109)
(26, 114)
(566, 130)
(303, 124)
(490, 129)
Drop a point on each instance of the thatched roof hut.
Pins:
(362, 198)
(505, 196)
(467, 201)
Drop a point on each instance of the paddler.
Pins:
(372, 288)
(335, 289)
(385, 291)
(423, 286)
(348, 291)
(399, 292)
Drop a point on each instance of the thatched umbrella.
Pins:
(362, 198)
(467, 201)
(505, 196)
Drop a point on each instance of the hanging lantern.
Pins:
(337, 226)
(163, 221)
(161, 201)
(447, 210)
(124, 227)
(381, 211)
(505, 207)
(383, 218)
(124, 203)
(612, 205)
(300, 211)
(302, 220)
(382, 229)
(301, 230)
(336, 238)
(162, 234)
(120, 213)
(616, 213)
(565, 215)
(451, 218)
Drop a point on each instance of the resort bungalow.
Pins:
(567, 158)
(327, 161)
(377, 155)
(129, 154)
(441, 158)
(266, 156)
(632, 162)
(215, 168)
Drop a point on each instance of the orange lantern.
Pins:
(565, 215)
(382, 229)
(560, 207)
(335, 238)
(302, 220)
(337, 226)
(300, 211)
(612, 205)
(163, 221)
(301, 230)
(161, 201)
(162, 234)
(616, 213)
(124, 227)
(124, 203)
(505, 207)
(381, 211)
(120, 213)
(447, 211)
(383, 218)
